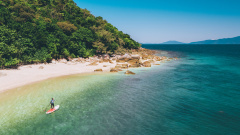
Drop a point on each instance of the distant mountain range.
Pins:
(235, 40)
(172, 42)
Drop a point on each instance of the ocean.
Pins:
(198, 94)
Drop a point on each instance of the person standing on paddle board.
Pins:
(52, 103)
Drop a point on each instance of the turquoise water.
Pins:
(199, 94)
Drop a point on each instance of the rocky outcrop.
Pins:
(129, 72)
(134, 63)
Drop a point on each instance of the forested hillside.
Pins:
(39, 30)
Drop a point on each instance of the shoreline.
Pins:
(27, 74)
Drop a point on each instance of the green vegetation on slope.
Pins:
(39, 30)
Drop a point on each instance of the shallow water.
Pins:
(197, 94)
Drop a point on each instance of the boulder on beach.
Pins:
(157, 58)
(100, 61)
(118, 66)
(129, 72)
(125, 56)
(114, 70)
(124, 66)
(135, 56)
(87, 60)
(144, 57)
(121, 60)
(133, 61)
(110, 61)
(41, 67)
(54, 61)
(147, 64)
(93, 64)
(134, 52)
(105, 60)
(62, 61)
(150, 56)
(98, 70)
(74, 60)
(105, 56)
(70, 63)
(136, 65)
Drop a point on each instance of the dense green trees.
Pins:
(39, 30)
(14, 49)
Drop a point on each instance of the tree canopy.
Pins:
(40, 30)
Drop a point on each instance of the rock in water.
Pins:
(129, 72)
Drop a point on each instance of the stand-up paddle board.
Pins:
(53, 109)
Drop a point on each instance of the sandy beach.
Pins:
(27, 74)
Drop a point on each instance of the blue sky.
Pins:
(157, 21)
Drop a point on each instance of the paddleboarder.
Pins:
(52, 103)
